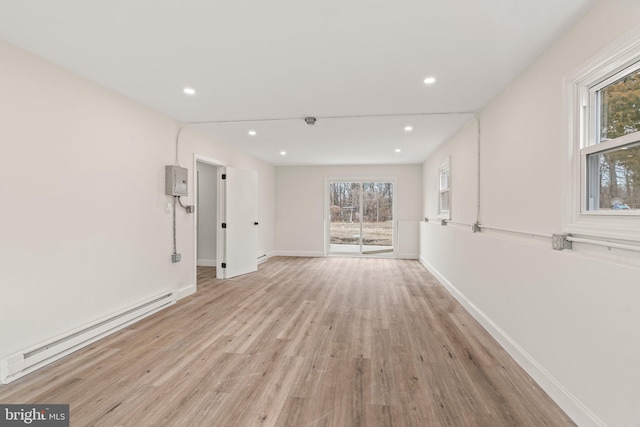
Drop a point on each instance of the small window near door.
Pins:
(444, 201)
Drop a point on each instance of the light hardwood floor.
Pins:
(303, 342)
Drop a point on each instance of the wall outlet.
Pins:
(176, 257)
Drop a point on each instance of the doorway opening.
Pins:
(226, 221)
(361, 218)
(209, 206)
(207, 214)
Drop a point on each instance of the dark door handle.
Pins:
(255, 223)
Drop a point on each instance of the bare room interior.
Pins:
(284, 213)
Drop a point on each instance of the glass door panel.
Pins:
(344, 225)
(377, 217)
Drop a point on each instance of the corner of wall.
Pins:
(185, 291)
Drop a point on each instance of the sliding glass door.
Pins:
(360, 217)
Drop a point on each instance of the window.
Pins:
(612, 155)
(604, 122)
(444, 200)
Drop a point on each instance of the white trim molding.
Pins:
(314, 254)
(408, 256)
(185, 292)
(574, 408)
(444, 187)
(580, 127)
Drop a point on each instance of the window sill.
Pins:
(617, 232)
(611, 214)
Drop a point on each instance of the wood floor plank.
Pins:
(303, 342)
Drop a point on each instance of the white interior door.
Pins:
(241, 223)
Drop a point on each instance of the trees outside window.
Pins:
(603, 117)
(613, 162)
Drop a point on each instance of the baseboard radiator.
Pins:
(22, 363)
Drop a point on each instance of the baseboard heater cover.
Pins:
(22, 363)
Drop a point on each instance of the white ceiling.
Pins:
(356, 65)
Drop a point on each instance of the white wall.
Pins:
(192, 143)
(462, 153)
(207, 213)
(570, 318)
(300, 205)
(84, 226)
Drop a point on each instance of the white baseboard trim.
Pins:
(185, 292)
(321, 254)
(574, 408)
(299, 253)
(408, 256)
(206, 263)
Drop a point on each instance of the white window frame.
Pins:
(445, 167)
(360, 179)
(616, 61)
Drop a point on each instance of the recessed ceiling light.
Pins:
(283, 153)
(398, 150)
(408, 128)
(252, 133)
(429, 80)
(189, 91)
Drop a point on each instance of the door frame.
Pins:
(327, 214)
(219, 214)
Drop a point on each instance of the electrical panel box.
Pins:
(176, 181)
